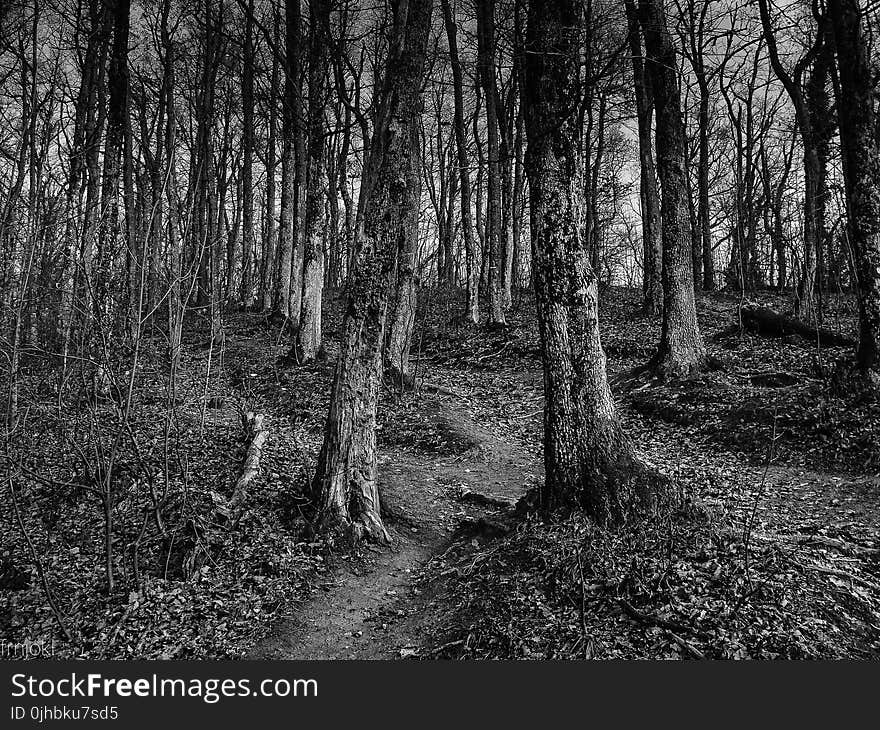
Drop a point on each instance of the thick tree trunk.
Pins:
(472, 300)
(681, 351)
(652, 284)
(769, 323)
(486, 63)
(405, 301)
(589, 462)
(861, 157)
(345, 483)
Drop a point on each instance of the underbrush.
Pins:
(187, 584)
(688, 586)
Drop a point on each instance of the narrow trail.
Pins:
(369, 608)
(469, 451)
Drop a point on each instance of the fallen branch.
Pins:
(864, 582)
(841, 545)
(770, 323)
(847, 548)
(433, 387)
(686, 645)
(650, 619)
(443, 647)
(257, 436)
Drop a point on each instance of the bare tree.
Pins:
(681, 351)
(861, 156)
(345, 485)
(589, 462)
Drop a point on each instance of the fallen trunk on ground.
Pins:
(256, 438)
(770, 323)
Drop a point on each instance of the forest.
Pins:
(440, 329)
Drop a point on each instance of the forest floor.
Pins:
(772, 551)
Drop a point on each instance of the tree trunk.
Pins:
(288, 287)
(404, 302)
(486, 63)
(472, 300)
(652, 284)
(861, 168)
(681, 351)
(804, 299)
(345, 483)
(267, 269)
(589, 462)
(246, 291)
(308, 333)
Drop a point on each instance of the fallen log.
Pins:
(257, 435)
(770, 323)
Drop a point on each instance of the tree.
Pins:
(486, 62)
(589, 462)
(288, 270)
(345, 483)
(308, 332)
(246, 292)
(794, 86)
(861, 168)
(697, 31)
(652, 284)
(681, 351)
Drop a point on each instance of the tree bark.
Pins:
(681, 351)
(804, 304)
(246, 291)
(472, 300)
(405, 300)
(270, 235)
(652, 284)
(486, 63)
(589, 462)
(308, 333)
(288, 285)
(345, 484)
(861, 168)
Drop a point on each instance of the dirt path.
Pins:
(369, 608)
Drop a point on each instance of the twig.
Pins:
(443, 390)
(444, 647)
(647, 618)
(582, 609)
(686, 645)
(839, 574)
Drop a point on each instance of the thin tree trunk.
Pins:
(246, 291)
(681, 351)
(486, 63)
(267, 278)
(652, 285)
(472, 301)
